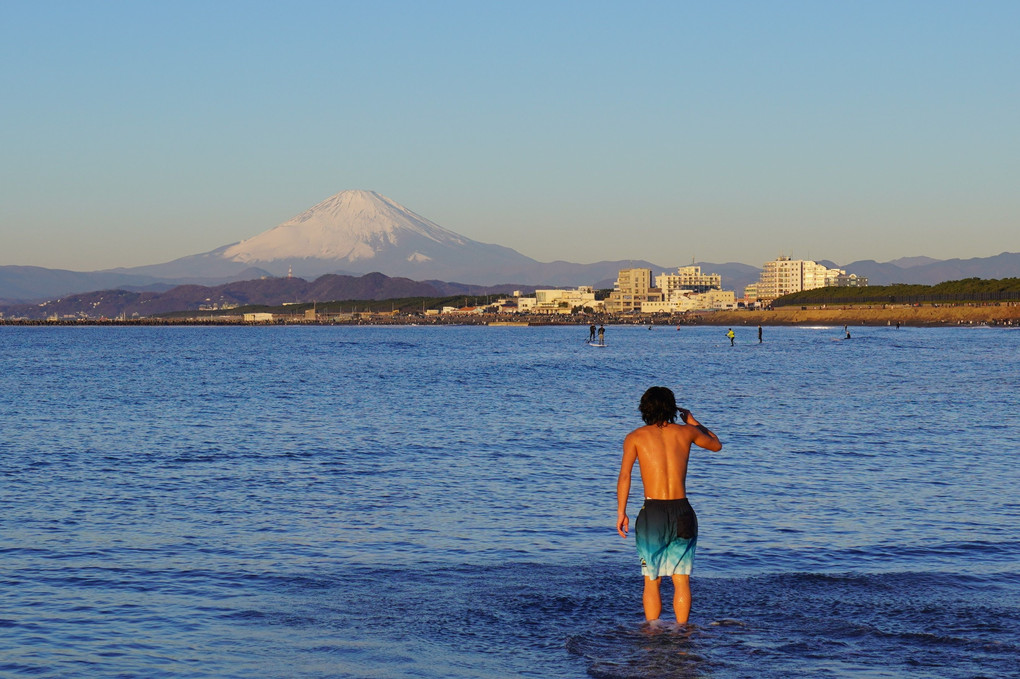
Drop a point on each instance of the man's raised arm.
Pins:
(705, 438)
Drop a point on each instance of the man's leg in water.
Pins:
(681, 597)
(652, 599)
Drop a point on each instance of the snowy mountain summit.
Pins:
(349, 227)
(360, 232)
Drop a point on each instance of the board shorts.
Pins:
(666, 533)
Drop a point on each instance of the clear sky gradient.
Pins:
(134, 132)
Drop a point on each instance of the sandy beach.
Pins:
(928, 315)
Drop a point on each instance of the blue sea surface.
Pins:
(440, 502)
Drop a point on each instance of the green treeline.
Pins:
(962, 291)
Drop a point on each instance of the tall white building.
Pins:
(688, 278)
(783, 276)
(632, 289)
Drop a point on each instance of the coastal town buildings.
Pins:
(686, 290)
(554, 301)
(633, 288)
(783, 276)
(688, 278)
(686, 300)
(851, 280)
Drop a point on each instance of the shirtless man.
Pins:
(666, 530)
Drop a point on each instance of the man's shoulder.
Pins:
(639, 433)
(649, 429)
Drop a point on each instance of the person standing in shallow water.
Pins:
(759, 334)
(731, 336)
(666, 530)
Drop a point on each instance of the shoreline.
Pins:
(915, 316)
(1002, 314)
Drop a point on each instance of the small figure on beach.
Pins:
(591, 332)
(602, 334)
(759, 335)
(666, 530)
(731, 336)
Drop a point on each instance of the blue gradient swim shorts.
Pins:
(666, 533)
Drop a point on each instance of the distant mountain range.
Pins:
(350, 233)
(361, 232)
(927, 271)
(268, 291)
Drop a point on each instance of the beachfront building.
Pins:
(690, 290)
(784, 276)
(688, 278)
(560, 301)
(686, 290)
(851, 280)
(632, 289)
(688, 300)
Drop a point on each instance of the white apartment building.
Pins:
(783, 276)
(560, 301)
(688, 278)
(686, 290)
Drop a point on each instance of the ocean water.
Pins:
(440, 502)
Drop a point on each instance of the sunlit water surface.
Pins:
(440, 502)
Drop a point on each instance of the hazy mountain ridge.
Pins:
(20, 284)
(358, 232)
(268, 291)
(1003, 265)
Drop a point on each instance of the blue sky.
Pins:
(133, 133)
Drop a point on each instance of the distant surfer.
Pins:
(602, 335)
(731, 336)
(759, 334)
(591, 332)
(666, 530)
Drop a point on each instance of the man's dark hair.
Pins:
(658, 406)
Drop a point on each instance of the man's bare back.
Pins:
(662, 453)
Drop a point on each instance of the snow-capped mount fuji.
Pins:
(352, 233)
(349, 227)
(357, 232)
